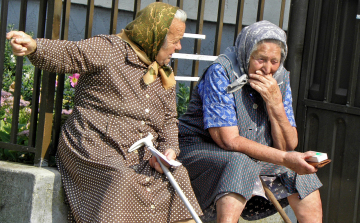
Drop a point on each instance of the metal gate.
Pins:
(328, 102)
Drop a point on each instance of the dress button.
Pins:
(142, 123)
(152, 206)
(147, 96)
(147, 179)
(147, 110)
(255, 106)
(148, 189)
(135, 151)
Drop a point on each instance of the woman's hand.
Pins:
(296, 162)
(267, 86)
(22, 44)
(170, 155)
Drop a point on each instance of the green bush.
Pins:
(183, 97)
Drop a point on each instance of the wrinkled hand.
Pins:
(296, 162)
(22, 44)
(170, 155)
(267, 86)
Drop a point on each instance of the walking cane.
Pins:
(275, 202)
(147, 142)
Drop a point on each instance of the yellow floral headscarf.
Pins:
(146, 34)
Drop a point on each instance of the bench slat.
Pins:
(193, 57)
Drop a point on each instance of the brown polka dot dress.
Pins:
(113, 109)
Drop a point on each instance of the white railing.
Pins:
(186, 56)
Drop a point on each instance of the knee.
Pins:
(308, 209)
(230, 207)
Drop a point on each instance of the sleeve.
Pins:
(288, 106)
(61, 56)
(168, 134)
(218, 105)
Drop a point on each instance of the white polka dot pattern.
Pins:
(113, 109)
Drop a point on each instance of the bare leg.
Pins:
(309, 209)
(229, 208)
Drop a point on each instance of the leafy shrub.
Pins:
(183, 97)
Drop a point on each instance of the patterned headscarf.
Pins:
(247, 40)
(146, 34)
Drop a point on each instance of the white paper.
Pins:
(318, 157)
(170, 162)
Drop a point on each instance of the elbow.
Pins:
(292, 144)
(227, 146)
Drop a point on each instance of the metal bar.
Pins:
(89, 18)
(174, 63)
(332, 52)
(355, 69)
(180, 4)
(260, 12)
(219, 27)
(48, 89)
(295, 41)
(114, 16)
(11, 146)
(16, 102)
(65, 18)
(18, 79)
(58, 111)
(37, 78)
(332, 107)
(60, 81)
(3, 24)
(307, 64)
(282, 11)
(137, 4)
(239, 18)
(197, 45)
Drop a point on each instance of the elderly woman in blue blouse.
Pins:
(240, 125)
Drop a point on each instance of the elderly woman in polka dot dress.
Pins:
(126, 91)
(240, 125)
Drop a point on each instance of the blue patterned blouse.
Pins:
(219, 106)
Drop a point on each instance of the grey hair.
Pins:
(180, 15)
(276, 41)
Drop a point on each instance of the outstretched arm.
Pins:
(22, 44)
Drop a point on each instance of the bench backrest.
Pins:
(186, 56)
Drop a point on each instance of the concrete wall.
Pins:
(31, 194)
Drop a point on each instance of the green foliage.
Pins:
(183, 97)
(22, 138)
(68, 96)
(6, 109)
(10, 69)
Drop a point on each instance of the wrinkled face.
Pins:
(266, 59)
(175, 34)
